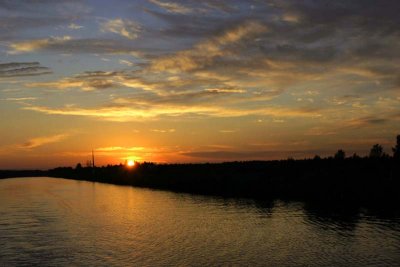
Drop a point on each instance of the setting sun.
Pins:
(131, 163)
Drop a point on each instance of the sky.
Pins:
(195, 81)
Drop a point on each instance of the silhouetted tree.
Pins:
(340, 154)
(78, 166)
(317, 157)
(376, 151)
(396, 149)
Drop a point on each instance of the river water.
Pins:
(58, 222)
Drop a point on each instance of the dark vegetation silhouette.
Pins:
(340, 155)
(366, 180)
(396, 149)
(377, 151)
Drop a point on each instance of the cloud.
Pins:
(68, 45)
(206, 52)
(125, 28)
(227, 7)
(163, 88)
(148, 111)
(95, 80)
(216, 59)
(43, 6)
(84, 85)
(291, 17)
(74, 26)
(119, 149)
(87, 81)
(320, 131)
(10, 26)
(41, 141)
(228, 131)
(367, 121)
(225, 90)
(245, 61)
(19, 69)
(38, 44)
(25, 16)
(193, 26)
(19, 98)
(125, 62)
(172, 7)
(307, 37)
(163, 130)
(118, 113)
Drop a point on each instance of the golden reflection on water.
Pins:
(65, 222)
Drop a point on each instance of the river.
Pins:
(59, 222)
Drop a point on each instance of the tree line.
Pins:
(375, 152)
(339, 179)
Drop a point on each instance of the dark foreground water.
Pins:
(57, 222)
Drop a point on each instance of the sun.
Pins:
(130, 163)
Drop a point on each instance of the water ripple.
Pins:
(57, 222)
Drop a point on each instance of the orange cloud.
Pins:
(119, 148)
(132, 114)
(44, 140)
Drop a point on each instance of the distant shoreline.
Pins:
(355, 180)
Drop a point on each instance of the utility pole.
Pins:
(93, 159)
(93, 166)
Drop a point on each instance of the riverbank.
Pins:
(361, 180)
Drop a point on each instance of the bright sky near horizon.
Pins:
(195, 81)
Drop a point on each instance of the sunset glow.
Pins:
(199, 132)
(195, 81)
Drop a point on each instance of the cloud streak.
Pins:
(67, 44)
(44, 140)
(172, 7)
(37, 44)
(74, 26)
(121, 113)
(119, 149)
(20, 69)
(19, 98)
